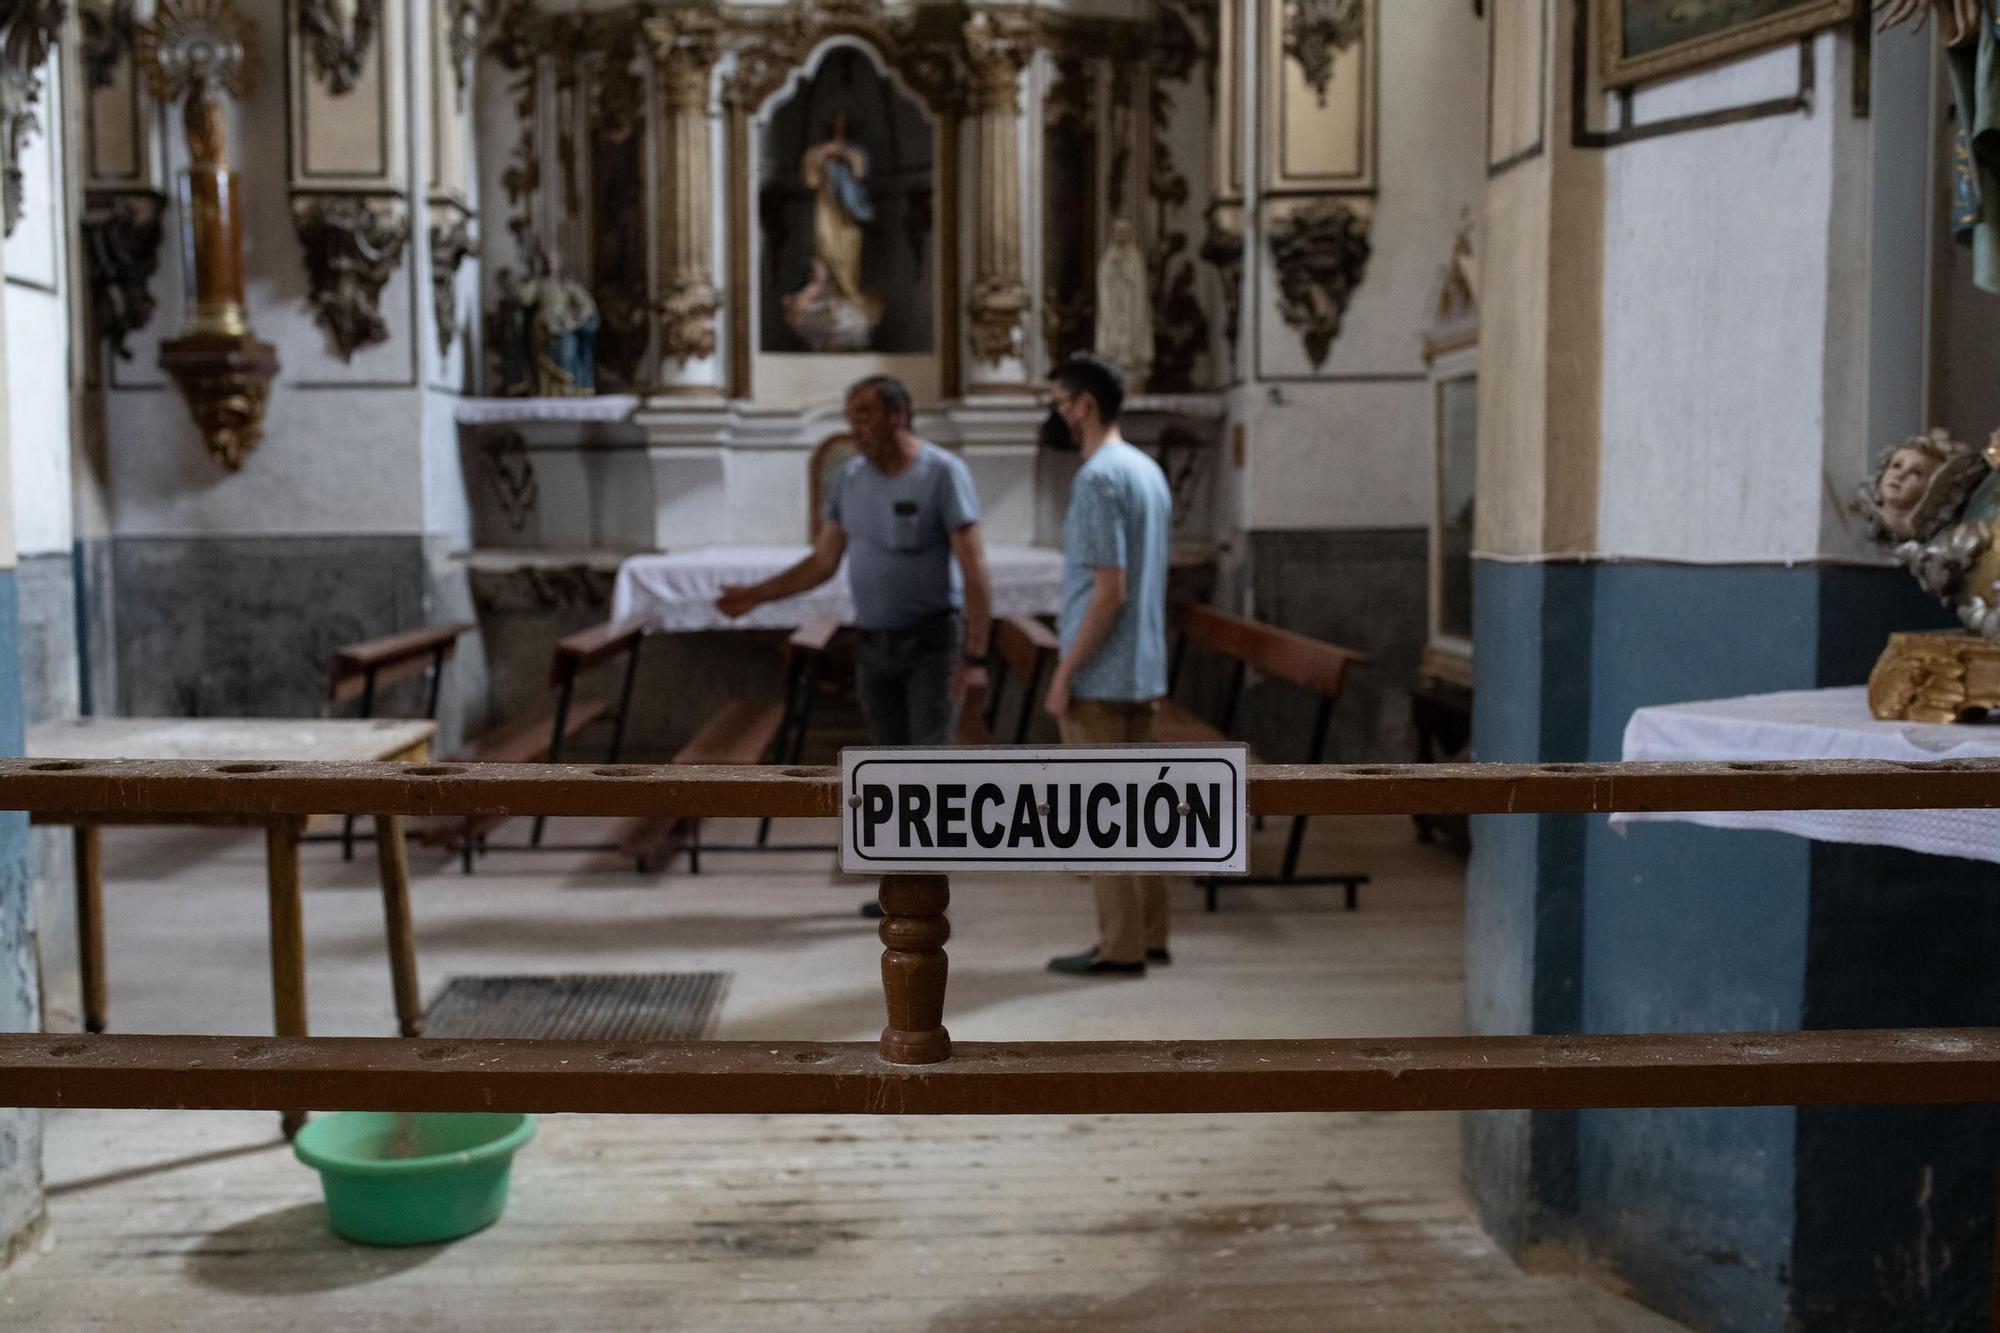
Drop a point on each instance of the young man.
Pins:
(1113, 669)
(906, 516)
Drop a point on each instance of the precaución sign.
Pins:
(1160, 809)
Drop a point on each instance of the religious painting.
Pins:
(846, 179)
(1648, 39)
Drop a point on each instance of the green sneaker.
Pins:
(1090, 965)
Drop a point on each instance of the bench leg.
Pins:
(394, 860)
(90, 922)
(694, 845)
(1353, 896)
(1210, 889)
(288, 938)
(347, 838)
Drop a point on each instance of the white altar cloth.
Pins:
(1820, 724)
(676, 590)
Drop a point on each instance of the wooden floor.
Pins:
(166, 1220)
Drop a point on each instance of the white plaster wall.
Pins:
(1346, 451)
(1719, 260)
(37, 361)
(343, 462)
(447, 509)
(1352, 455)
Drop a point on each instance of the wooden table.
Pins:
(236, 741)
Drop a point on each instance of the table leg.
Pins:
(395, 863)
(90, 922)
(288, 938)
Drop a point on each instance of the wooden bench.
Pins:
(741, 732)
(360, 671)
(542, 738)
(1306, 662)
(1024, 649)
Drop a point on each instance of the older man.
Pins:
(905, 515)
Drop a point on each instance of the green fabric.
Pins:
(1975, 80)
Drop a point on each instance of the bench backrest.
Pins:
(392, 658)
(1021, 642)
(578, 652)
(1318, 666)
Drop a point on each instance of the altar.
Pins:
(676, 590)
(1819, 724)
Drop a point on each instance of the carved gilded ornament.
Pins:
(353, 245)
(451, 244)
(338, 34)
(1318, 30)
(121, 243)
(225, 379)
(1935, 677)
(29, 35)
(198, 47)
(109, 29)
(1320, 250)
(462, 26)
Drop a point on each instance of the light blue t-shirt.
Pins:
(899, 530)
(1120, 516)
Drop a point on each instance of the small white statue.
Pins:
(1125, 305)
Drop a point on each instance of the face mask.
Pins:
(1056, 434)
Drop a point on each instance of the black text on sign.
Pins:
(1164, 809)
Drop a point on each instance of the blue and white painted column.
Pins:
(1695, 343)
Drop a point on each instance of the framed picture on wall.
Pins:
(1648, 39)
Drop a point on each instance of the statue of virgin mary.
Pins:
(832, 313)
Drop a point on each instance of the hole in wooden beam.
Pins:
(64, 1050)
(433, 771)
(1762, 766)
(246, 768)
(622, 771)
(60, 766)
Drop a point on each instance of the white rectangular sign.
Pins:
(1161, 809)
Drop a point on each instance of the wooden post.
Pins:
(914, 930)
(394, 861)
(288, 938)
(90, 923)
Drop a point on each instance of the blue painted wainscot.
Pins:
(1739, 1219)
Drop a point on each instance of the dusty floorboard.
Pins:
(202, 1220)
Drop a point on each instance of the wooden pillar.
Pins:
(288, 938)
(393, 859)
(914, 931)
(90, 923)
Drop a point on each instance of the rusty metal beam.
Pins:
(109, 788)
(1011, 1078)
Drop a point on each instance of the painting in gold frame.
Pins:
(1649, 39)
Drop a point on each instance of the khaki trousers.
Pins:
(1131, 909)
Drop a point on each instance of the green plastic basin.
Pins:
(412, 1179)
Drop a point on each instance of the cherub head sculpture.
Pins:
(1920, 486)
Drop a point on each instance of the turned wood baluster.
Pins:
(914, 930)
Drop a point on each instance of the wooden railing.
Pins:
(915, 1069)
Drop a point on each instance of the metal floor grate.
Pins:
(614, 1006)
